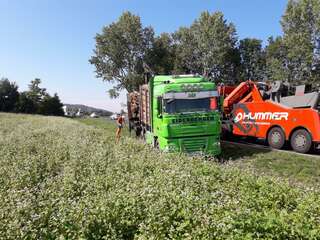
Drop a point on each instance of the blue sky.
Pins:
(53, 39)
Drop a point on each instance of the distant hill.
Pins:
(86, 110)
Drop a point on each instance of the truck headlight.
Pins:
(170, 148)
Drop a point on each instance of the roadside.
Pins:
(64, 178)
(296, 169)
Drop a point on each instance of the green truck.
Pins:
(177, 113)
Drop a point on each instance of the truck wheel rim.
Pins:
(276, 136)
(300, 141)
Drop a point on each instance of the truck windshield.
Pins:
(186, 105)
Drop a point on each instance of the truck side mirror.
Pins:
(159, 106)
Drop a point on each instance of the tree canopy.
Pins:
(51, 106)
(301, 39)
(8, 95)
(252, 58)
(125, 48)
(210, 46)
(120, 51)
(34, 101)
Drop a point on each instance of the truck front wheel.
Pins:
(276, 138)
(301, 141)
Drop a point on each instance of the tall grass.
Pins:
(62, 179)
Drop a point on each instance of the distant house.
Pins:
(69, 111)
(79, 110)
(93, 115)
(65, 110)
(79, 113)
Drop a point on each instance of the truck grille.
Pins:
(194, 144)
(192, 119)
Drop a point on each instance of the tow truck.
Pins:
(250, 111)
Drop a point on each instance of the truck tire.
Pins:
(301, 141)
(276, 138)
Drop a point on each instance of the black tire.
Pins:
(301, 141)
(276, 138)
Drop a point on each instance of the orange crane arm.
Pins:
(245, 92)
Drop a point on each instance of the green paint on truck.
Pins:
(179, 113)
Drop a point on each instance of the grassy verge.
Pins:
(297, 169)
(64, 179)
(102, 123)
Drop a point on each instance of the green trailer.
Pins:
(177, 113)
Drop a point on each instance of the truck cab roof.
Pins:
(161, 79)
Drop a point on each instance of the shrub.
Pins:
(63, 179)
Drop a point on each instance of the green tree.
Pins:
(51, 106)
(161, 56)
(8, 95)
(301, 27)
(187, 57)
(25, 104)
(120, 52)
(208, 47)
(36, 93)
(252, 59)
(276, 60)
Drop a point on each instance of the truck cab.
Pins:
(183, 114)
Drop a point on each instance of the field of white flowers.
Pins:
(60, 178)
